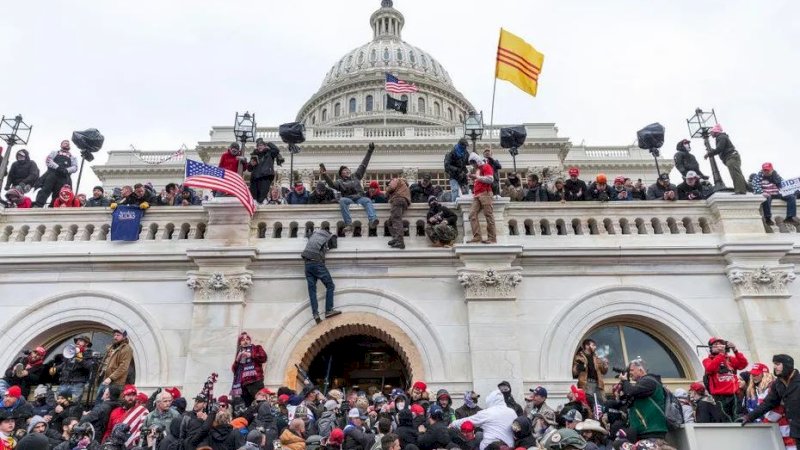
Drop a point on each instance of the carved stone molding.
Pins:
(411, 174)
(761, 282)
(490, 284)
(220, 288)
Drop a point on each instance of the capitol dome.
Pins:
(353, 92)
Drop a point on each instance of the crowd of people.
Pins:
(637, 412)
(466, 171)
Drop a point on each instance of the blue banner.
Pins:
(125, 221)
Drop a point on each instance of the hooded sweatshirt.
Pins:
(71, 201)
(22, 172)
(495, 420)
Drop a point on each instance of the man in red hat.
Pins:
(706, 409)
(26, 370)
(118, 414)
(720, 367)
(575, 187)
(417, 389)
(767, 183)
(15, 405)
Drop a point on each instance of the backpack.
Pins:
(672, 411)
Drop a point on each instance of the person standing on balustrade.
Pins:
(349, 185)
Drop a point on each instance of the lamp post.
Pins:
(244, 129)
(699, 124)
(12, 131)
(473, 128)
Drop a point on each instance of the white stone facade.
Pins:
(463, 318)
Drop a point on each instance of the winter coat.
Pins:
(465, 411)
(523, 435)
(456, 162)
(351, 186)
(262, 164)
(265, 417)
(580, 369)
(616, 194)
(22, 172)
(193, 199)
(685, 161)
(420, 193)
(231, 162)
(787, 392)
(656, 191)
(495, 420)
(21, 410)
(60, 166)
(697, 192)
(293, 198)
(708, 411)
(259, 358)
(135, 200)
(435, 436)
(721, 371)
(356, 438)
(576, 190)
(71, 201)
(99, 416)
(515, 193)
(225, 437)
(445, 213)
(406, 430)
(537, 193)
(326, 423)
(757, 182)
(321, 198)
(724, 147)
(69, 445)
(595, 192)
(117, 361)
(172, 439)
(398, 191)
(193, 430)
(101, 202)
(318, 245)
(646, 412)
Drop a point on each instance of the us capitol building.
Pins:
(651, 279)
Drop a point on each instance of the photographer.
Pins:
(730, 157)
(692, 188)
(662, 189)
(455, 165)
(314, 257)
(646, 400)
(589, 369)
(349, 185)
(720, 370)
(262, 168)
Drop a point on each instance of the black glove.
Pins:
(371, 146)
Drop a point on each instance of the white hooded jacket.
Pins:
(495, 420)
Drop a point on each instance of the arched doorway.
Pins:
(358, 360)
(366, 348)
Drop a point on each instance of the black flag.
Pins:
(397, 105)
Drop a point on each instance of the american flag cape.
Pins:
(203, 176)
(397, 86)
(135, 419)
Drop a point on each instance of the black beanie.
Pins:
(100, 188)
(787, 361)
(114, 392)
(34, 441)
(341, 168)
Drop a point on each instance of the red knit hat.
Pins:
(14, 391)
(467, 427)
(336, 437)
(374, 184)
(420, 385)
(417, 410)
(129, 389)
(283, 399)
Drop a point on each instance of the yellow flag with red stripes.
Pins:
(518, 62)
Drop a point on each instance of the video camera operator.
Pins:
(720, 374)
(646, 400)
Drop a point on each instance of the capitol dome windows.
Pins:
(424, 61)
(352, 106)
(411, 58)
(337, 109)
(399, 54)
(324, 114)
(386, 54)
(450, 113)
(421, 105)
(369, 102)
(373, 56)
(437, 109)
(360, 58)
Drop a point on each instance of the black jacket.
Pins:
(445, 213)
(455, 165)
(535, 194)
(262, 164)
(576, 190)
(98, 416)
(685, 161)
(406, 430)
(787, 392)
(464, 411)
(724, 147)
(225, 437)
(420, 193)
(193, 430)
(351, 187)
(22, 172)
(356, 438)
(321, 198)
(75, 371)
(435, 436)
(697, 191)
(709, 412)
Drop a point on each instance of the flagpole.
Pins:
(494, 88)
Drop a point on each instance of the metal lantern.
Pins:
(699, 124)
(244, 128)
(12, 131)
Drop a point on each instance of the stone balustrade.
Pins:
(518, 223)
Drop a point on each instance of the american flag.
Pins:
(396, 86)
(203, 176)
(135, 418)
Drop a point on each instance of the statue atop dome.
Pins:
(387, 4)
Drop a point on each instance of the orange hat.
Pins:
(601, 178)
(239, 423)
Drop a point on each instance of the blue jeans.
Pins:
(791, 206)
(344, 205)
(455, 190)
(317, 271)
(76, 390)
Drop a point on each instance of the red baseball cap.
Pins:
(580, 394)
(420, 385)
(265, 391)
(467, 427)
(283, 399)
(174, 392)
(574, 172)
(14, 391)
(129, 389)
(759, 368)
(697, 387)
(336, 437)
(417, 410)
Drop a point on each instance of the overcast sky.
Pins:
(157, 74)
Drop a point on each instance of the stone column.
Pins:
(489, 281)
(220, 286)
(758, 277)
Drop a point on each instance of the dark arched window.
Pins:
(369, 103)
(313, 120)
(450, 113)
(623, 342)
(437, 110)
(324, 115)
(421, 105)
(352, 106)
(337, 110)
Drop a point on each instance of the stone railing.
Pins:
(94, 224)
(518, 223)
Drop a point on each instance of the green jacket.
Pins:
(646, 413)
